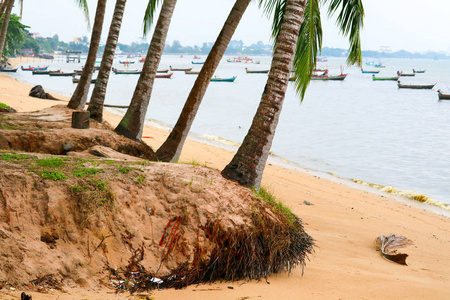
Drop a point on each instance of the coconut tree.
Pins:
(8, 5)
(293, 40)
(170, 150)
(79, 97)
(132, 123)
(98, 94)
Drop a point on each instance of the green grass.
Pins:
(3, 105)
(82, 172)
(124, 170)
(53, 162)
(8, 127)
(53, 175)
(8, 156)
(140, 179)
(270, 199)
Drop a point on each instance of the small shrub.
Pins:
(82, 172)
(3, 105)
(53, 162)
(8, 156)
(124, 170)
(140, 179)
(53, 175)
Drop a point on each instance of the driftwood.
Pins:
(112, 105)
(38, 92)
(389, 246)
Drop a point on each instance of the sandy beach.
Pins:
(344, 220)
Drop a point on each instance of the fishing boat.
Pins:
(329, 77)
(322, 59)
(234, 59)
(44, 72)
(196, 57)
(215, 79)
(127, 62)
(405, 74)
(415, 86)
(197, 62)
(61, 74)
(179, 69)
(118, 72)
(370, 63)
(379, 65)
(418, 71)
(443, 96)
(192, 72)
(30, 68)
(369, 71)
(374, 78)
(164, 75)
(162, 71)
(256, 71)
(76, 80)
(8, 70)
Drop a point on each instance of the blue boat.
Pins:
(224, 79)
(197, 62)
(369, 71)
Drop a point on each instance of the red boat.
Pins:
(30, 68)
(164, 75)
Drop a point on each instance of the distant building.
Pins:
(385, 49)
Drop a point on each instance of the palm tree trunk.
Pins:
(5, 23)
(170, 150)
(79, 97)
(98, 94)
(248, 164)
(132, 123)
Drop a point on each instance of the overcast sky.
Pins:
(412, 25)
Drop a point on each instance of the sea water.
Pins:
(368, 131)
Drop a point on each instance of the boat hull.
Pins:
(416, 86)
(327, 77)
(385, 78)
(8, 70)
(256, 71)
(164, 76)
(223, 79)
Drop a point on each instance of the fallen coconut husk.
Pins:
(389, 246)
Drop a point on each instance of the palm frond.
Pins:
(84, 7)
(149, 15)
(277, 8)
(309, 45)
(350, 22)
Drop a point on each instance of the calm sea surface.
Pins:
(356, 129)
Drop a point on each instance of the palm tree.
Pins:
(7, 14)
(79, 97)
(132, 123)
(170, 150)
(248, 164)
(6, 7)
(98, 94)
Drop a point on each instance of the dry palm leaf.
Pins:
(389, 246)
